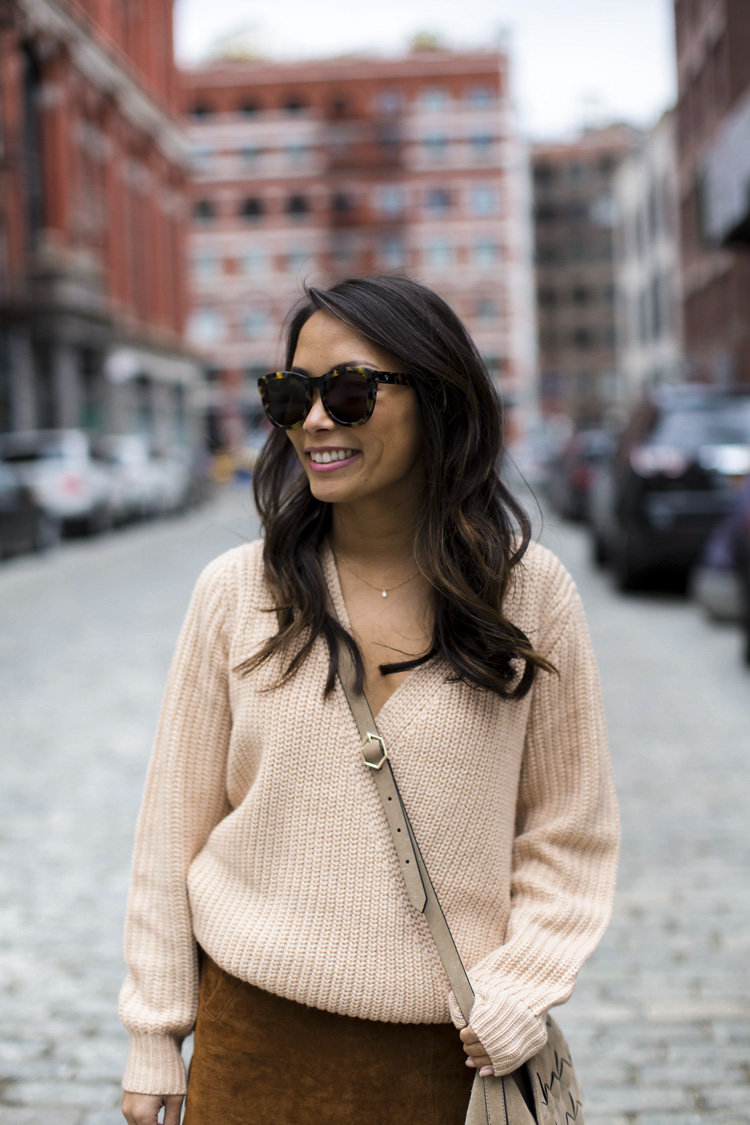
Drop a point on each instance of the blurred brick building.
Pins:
(320, 170)
(713, 137)
(574, 221)
(92, 220)
(647, 265)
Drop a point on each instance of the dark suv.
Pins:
(677, 466)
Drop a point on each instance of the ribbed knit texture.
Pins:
(261, 835)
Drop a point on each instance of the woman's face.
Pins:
(382, 455)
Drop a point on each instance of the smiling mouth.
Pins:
(332, 455)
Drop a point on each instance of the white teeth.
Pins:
(334, 455)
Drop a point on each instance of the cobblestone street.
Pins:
(660, 1021)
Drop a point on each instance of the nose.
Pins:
(318, 418)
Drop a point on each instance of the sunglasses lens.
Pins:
(286, 400)
(346, 397)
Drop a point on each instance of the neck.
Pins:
(375, 535)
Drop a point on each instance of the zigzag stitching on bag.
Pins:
(557, 1075)
(549, 1096)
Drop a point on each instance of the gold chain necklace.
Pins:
(384, 590)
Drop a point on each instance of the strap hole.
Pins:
(398, 829)
(390, 798)
(407, 862)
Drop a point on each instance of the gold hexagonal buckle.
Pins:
(383, 752)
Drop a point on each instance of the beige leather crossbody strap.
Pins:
(494, 1101)
(418, 883)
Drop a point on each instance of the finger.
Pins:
(474, 1050)
(172, 1108)
(468, 1035)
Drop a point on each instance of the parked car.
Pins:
(66, 479)
(136, 481)
(678, 464)
(572, 473)
(743, 560)
(717, 580)
(175, 482)
(24, 523)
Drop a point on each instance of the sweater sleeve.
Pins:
(564, 856)
(185, 797)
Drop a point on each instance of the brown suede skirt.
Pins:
(262, 1060)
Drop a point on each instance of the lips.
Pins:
(330, 458)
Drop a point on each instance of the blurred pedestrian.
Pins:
(267, 909)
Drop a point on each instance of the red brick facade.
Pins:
(92, 219)
(713, 70)
(316, 171)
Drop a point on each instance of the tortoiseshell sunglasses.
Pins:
(348, 394)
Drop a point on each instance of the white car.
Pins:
(67, 481)
(137, 486)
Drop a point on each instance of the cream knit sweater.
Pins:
(261, 835)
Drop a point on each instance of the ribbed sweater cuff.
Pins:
(509, 1032)
(155, 1065)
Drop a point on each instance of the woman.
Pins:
(263, 864)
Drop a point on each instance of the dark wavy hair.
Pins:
(471, 531)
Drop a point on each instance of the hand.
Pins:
(143, 1109)
(478, 1057)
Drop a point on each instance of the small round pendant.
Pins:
(385, 593)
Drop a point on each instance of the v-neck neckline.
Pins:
(331, 574)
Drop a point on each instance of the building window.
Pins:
(204, 265)
(545, 213)
(295, 104)
(544, 175)
(391, 199)
(204, 211)
(252, 209)
(213, 374)
(200, 158)
(439, 253)
(486, 252)
(342, 202)
(438, 201)
(389, 102)
(483, 200)
(206, 326)
(545, 254)
(340, 107)
(388, 136)
(250, 154)
(250, 108)
(481, 146)
(487, 309)
(201, 110)
(547, 298)
(582, 338)
(297, 153)
(433, 98)
(581, 295)
(480, 97)
(254, 371)
(392, 251)
(299, 258)
(254, 261)
(344, 249)
(254, 323)
(435, 147)
(298, 206)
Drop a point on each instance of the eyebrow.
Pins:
(338, 366)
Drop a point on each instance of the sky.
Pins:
(574, 61)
